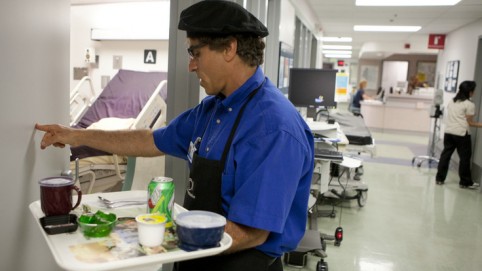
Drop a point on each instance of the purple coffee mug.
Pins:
(56, 195)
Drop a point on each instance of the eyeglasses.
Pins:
(191, 50)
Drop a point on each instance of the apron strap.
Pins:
(236, 123)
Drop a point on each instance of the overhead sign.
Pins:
(436, 41)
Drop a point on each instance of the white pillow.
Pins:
(111, 124)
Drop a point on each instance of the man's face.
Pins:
(208, 66)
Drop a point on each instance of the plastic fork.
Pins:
(120, 203)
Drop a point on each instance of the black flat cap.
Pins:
(220, 18)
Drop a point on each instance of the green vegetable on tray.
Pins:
(97, 224)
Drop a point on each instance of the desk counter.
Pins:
(400, 112)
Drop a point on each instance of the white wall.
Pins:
(418, 45)
(139, 16)
(460, 45)
(287, 23)
(35, 63)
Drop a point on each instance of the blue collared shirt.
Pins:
(267, 175)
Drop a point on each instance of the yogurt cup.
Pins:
(150, 228)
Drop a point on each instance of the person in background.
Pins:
(360, 95)
(251, 155)
(414, 84)
(459, 117)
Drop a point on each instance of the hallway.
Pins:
(408, 223)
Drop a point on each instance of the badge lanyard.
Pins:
(193, 146)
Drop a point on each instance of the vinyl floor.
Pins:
(408, 222)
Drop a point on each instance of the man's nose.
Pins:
(192, 65)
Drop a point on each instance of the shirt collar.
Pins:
(239, 95)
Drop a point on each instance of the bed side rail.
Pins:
(153, 112)
(81, 100)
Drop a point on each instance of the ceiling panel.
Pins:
(337, 18)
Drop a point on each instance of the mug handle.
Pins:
(79, 196)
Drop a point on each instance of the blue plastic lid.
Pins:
(200, 219)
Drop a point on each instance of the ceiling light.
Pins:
(337, 47)
(337, 56)
(337, 39)
(406, 2)
(386, 28)
(338, 52)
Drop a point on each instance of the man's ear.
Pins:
(230, 51)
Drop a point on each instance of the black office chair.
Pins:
(313, 242)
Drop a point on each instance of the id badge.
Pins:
(192, 149)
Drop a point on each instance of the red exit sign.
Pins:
(436, 41)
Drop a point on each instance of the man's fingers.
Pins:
(59, 145)
(53, 135)
(47, 127)
(41, 127)
(47, 139)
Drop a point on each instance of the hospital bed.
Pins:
(359, 136)
(131, 100)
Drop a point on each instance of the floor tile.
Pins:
(408, 223)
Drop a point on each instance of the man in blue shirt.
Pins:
(250, 153)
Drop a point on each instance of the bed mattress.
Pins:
(354, 128)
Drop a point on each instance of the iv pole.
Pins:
(431, 155)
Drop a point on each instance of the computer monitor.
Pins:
(312, 88)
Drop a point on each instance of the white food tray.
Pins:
(60, 244)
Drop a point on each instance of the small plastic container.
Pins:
(59, 224)
(97, 224)
(151, 228)
(199, 230)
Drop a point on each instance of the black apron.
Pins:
(204, 193)
(205, 179)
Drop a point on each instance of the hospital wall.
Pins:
(462, 45)
(35, 63)
(287, 24)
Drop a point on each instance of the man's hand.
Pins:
(244, 237)
(56, 135)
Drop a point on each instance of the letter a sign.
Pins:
(150, 56)
(436, 41)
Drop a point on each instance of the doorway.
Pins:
(476, 133)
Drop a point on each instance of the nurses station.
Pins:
(311, 183)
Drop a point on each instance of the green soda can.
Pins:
(160, 198)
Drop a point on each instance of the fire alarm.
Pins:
(407, 46)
